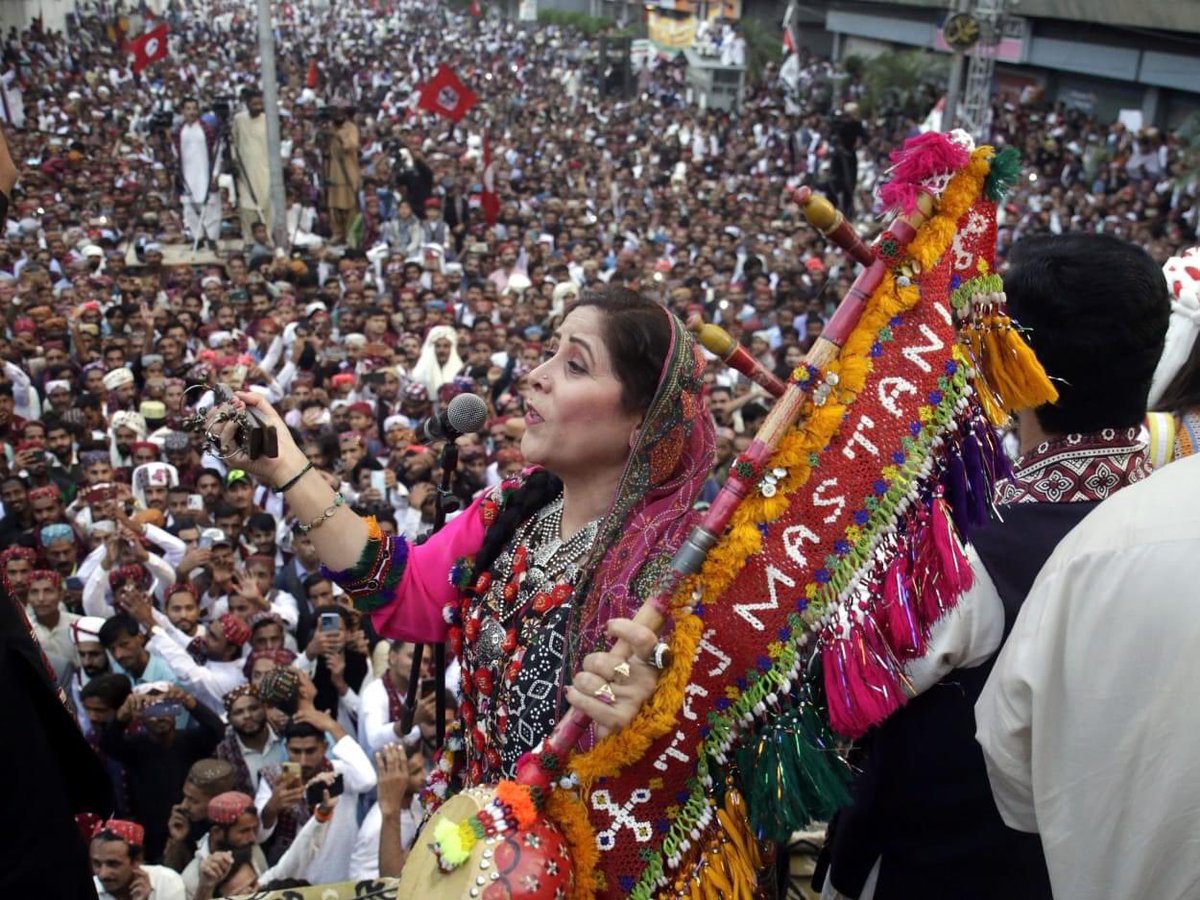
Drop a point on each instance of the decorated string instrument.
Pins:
(832, 548)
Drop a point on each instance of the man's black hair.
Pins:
(107, 834)
(302, 730)
(110, 687)
(119, 626)
(261, 521)
(182, 523)
(314, 578)
(1095, 308)
(264, 621)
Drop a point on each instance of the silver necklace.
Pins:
(551, 561)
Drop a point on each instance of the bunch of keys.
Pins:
(252, 435)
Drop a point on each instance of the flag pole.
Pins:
(270, 90)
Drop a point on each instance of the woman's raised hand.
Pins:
(272, 471)
(612, 687)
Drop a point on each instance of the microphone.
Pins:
(464, 414)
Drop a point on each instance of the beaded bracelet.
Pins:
(291, 482)
(338, 500)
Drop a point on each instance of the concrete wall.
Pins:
(1167, 15)
(21, 13)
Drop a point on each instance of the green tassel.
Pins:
(1002, 174)
(792, 774)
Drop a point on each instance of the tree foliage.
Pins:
(897, 81)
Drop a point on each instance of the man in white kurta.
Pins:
(1089, 720)
(201, 199)
(253, 164)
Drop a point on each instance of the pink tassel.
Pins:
(843, 714)
(920, 159)
(900, 624)
(862, 683)
(954, 565)
(940, 571)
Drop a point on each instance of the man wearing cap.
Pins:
(150, 482)
(239, 492)
(121, 388)
(59, 547)
(45, 503)
(233, 828)
(157, 753)
(91, 661)
(155, 414)
(177, 447)
(121, 873)
(58, 394)
(125, 427)
(188, 822)
(250, 743)
(223, 643)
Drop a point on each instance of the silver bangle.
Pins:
(338, 500)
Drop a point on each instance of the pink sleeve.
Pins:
(406, 586)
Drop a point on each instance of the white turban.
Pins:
(152, 474)
(1183, 282)
(86, 630)
(118, 378)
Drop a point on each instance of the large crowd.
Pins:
(249, 718)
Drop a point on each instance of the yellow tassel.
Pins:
(995, 368)
(568, 813)
(993, 408)
(1033, 386)
(729, 863)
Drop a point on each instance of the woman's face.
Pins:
(575, 422)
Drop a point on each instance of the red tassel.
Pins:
(900, 623)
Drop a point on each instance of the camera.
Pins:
(315, 792)
(222, 106)
(161, 121)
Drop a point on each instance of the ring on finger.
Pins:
(660, 656)
(605, 694)
(621, 671)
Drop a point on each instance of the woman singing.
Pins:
(537, 577)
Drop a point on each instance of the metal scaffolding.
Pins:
(975, 113)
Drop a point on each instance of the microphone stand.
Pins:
(446, 501)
